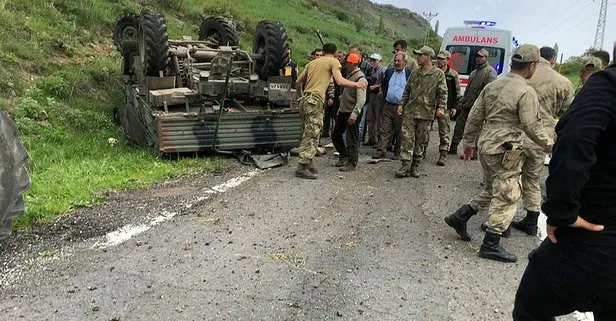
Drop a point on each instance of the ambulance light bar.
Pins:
(479, 23)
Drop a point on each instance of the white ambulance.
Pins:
(464, 42)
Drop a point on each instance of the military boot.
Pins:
(528, 224)
(492, 250)
(453, 149)
(302, 171)
(415, 169)
(506, 234)
(312, 168)
(341, 161)
(348, 167)
(378, 155)
(405, 170)
(458, 221)
(442, 158)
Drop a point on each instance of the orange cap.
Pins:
(353, 58)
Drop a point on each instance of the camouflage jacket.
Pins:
(453, 88)
(506, 110)
(478, 79)
(555, 94)
(424, 90)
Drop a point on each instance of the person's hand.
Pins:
(440, 112)
(400, 110)
(468, 153)
(330, 102)
(352, 119)
(579, 223)
(360, 85)
(373, 87)
(453, 112)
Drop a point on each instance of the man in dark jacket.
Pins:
(391, 123)
(575, 268)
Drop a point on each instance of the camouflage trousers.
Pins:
(500, 194)
(444, 134)
(531, 178)
(311, 115)
(415, 134)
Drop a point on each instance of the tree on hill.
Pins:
(381, 27)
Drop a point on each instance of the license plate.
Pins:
(279, 86)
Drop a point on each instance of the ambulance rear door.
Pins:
(464, 42)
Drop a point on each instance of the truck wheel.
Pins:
(14, 179)
(219, 30)
(126, 29)
(154, 43)
(271, 44)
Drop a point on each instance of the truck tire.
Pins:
(219, 30)
(14, 179)
(271, 43)
(154, 43)
(126, 29)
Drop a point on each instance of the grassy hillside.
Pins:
(60, 79)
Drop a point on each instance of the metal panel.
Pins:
(237, 131)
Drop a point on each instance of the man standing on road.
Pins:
(425, 89)
(604, 56)
(589, 66)
(368, 70)
(575, 268)
(555, 93)
(453, 96)
(314, 80)
(348, 117)
(375, 101)
(478, 79)
(391, 123)
(401, 46)
(509, 108)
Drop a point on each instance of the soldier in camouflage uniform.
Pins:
(555, 93)
(311, 86)
(425, 89)
(505, 110)
(453, 96)
(589, 66)
(478, 79)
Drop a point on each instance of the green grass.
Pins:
(60, 80)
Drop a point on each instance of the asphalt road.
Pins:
(354, 246)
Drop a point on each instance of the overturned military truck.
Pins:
(205, 95)
(14, 179)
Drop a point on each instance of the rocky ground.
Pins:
(264, 245)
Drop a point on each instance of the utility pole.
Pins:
(429, 16)
(600, 35)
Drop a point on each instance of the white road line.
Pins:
(542, 235)
(127, 232)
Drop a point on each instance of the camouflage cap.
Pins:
(526, 53)
(591, 63)
(425, 50)
(483, 52)
(444, 55)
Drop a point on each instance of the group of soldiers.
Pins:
(507, 123)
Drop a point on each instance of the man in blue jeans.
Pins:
(575, 268)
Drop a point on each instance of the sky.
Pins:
(570, 23)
